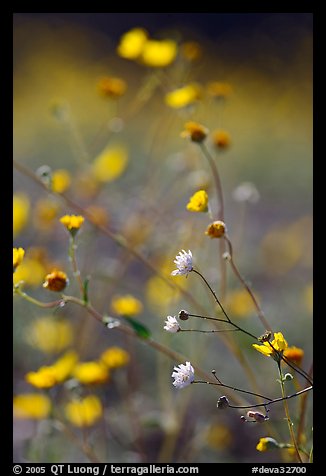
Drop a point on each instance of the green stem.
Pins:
(287, 413)
(45, 305)
(73, 260)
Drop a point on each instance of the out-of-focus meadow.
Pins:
(109, 128)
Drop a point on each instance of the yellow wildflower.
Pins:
(110, 164)
(194, 131)
(99, 215)
(160, 296)
(158, 53)
(60, 180)
(31, 405)
(115, 357)
(183, 96)
(64, 365)
(266, 444)
(72, 222)
(48, 376)
(91, 373)
(44, 377)
(18, 256)
(21, 207)
(45, 213)
(219, 89)
(198, 202)
(49, 335)
(240, 303)
(279, 345)
(221, 139)
(217, 229)
(132, 43)
(56, 281)
(111, 87)
(31, 271)
(294, 354)
(84, 412)
(126, 305)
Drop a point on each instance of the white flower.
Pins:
(184, 374)
(183, 262)
(171, 324)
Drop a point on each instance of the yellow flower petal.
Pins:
(198, 202)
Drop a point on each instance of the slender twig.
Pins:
(234, 388)
(220, 214)
(287, 413)
(222, 308)
(275, 400)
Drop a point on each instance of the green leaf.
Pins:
(85, 290)
(139, 328)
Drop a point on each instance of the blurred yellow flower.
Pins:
(221, 139)
(132, 43)
(111, 87)
(294, 354)
(115, 357)
(84, 412)
(99, 215)
(198, 202)
(65, 365)
(90, 373)
(279, 345)
(31, 271)
(219, 436)
(160, 295)
(61, 180)
(110, 164)
(159, 53)
(72, 222)
(183, 96)
(191, 50)
(18, 256)
(194, 131)
(44, 377)
(50, 335)
(219, 90)
(48, 376)
(21, 207)
(240, 303)
(126, 305)
(56, 281)
(217, 229)
(31, 406)
(45, 213)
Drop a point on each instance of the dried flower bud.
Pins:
(56, 281)
(222, 403)
(265, 337)
(183, 315)
(217, 229)
(257, 416)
